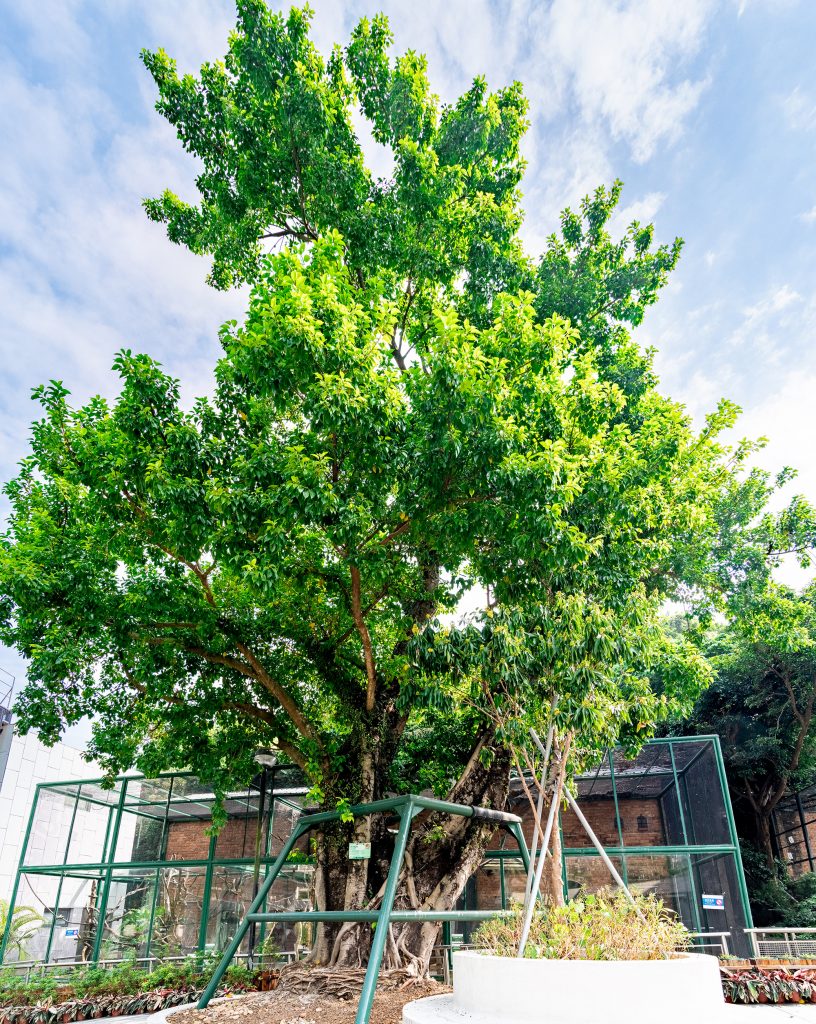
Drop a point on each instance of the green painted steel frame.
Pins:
(407, 807)
(106, 867)
(685, 850)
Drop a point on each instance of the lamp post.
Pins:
(267, 758)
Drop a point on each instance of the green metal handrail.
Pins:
(407, 807)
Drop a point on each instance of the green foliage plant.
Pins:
(25, 923)
(600, 926)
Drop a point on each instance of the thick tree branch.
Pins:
(282, 697)
(365, 636)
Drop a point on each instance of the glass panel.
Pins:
(189, 817)
(285, 815)
(230, 897)
(291, 891)
(94, 810)
(237, 838)
(39, 894)
(596, 799)
(667, 877)
(590, 874)
(701, 794)
(515, 881)
(76, 919)
(177, 918)
(48, 840)
(716, 875)
(127, 917)
(142, 829)
(647, 797)
(487, 885)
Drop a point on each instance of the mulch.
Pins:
(303, 1007)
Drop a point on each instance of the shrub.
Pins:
(602, 926)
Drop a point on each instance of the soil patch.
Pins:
(288, 1007)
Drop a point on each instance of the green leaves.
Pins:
(410, 409)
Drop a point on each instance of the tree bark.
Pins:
(443, 852)
(764, 840)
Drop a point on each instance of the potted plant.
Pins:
(599, 958)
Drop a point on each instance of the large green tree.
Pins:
(411, 409)
(762, 703)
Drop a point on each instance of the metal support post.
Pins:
(102, 905)
(601, 851)
(384, 919)
(256, 869)
(545, 844)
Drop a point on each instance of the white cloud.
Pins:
(619, 62)
(643, 210)
(785, 417)
(810, 216)
(799, 109)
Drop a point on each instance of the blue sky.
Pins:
(705, 108)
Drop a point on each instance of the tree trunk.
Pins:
(764, 840)
(443, 852)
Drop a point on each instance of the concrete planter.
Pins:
(503, 990)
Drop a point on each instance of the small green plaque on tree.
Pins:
(359, 851)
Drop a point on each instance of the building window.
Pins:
(642, 823)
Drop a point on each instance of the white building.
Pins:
(25, 762)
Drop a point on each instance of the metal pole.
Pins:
(601, 851)
(102, 905)
(256, 870)
(231, 950)
(528, 891)
(20, 866)
(205, 899)
(545, 843)
(801, 811)
(384, 918)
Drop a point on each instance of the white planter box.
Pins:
(504, 990)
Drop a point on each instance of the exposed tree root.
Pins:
(341, 982)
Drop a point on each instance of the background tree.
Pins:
(762, 704)
(405, 414)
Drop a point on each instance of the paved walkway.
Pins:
(766, 1014)
(763, 1014)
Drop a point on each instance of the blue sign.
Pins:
(71, 933)
(713, 902)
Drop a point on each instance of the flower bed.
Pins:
(769, 985)
(92, 1009)
(92, 993)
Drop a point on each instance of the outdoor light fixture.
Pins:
(267, 756)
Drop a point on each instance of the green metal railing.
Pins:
(407, 807)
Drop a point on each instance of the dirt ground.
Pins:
(283, 1007)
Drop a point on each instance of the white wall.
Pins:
(28, 762)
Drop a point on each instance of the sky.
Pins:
(706, 109)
